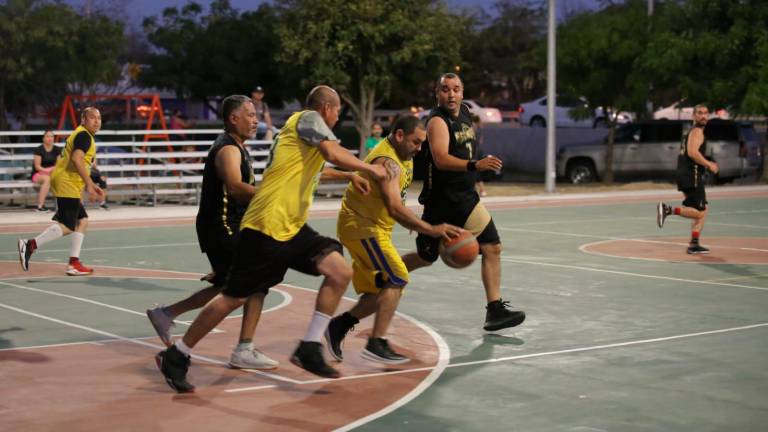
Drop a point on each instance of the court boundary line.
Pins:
(622, 273)
(287, 299)
(539, 354)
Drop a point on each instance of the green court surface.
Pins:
(611, 343)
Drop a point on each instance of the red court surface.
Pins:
(92, 386)
(723, 250)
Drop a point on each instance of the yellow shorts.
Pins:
(375, 264)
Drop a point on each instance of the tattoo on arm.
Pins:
(393, 169)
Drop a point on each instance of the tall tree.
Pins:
(224, 52)
(503, 52)
(598, 58)
(360, 46)
(46, 47)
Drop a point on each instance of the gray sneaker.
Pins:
(251, 358)
(162, 322)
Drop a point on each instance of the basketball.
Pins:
(459, 252)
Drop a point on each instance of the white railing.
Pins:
(131, 167)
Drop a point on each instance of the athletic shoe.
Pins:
(26, 248)
(251, 358)
(695, 249)
(43, 209)
(162, 322)
(76, 268)
(662, 211)
(498, 316)
(334, 336)
(173, 364)
(104, 206)
(309, 356)
(378, 350)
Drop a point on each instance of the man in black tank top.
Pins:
(449, 195)
(691, 165)
(228, 185)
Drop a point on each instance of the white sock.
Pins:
(181, 346)
(77, 243)
(243, 346)
(317, 327)
(51, 233)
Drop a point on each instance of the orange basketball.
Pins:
(460, 251)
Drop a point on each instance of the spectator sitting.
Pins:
(264, 130)
(43, 161)
(179, 121)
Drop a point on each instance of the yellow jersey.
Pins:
(281, 205)
(65, 180)
(367, 216)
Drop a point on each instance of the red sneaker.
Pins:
(76, 268)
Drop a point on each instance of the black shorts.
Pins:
(428, 247)
(220, 249)
(695, 198)
(69, 211)
(260, 262)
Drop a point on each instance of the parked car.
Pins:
(485, 114)
(650, 149)
(534, 114)
(683, 110)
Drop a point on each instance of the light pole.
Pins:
(549, 171)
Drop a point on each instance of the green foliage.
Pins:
(48, 46)
(504, 52)
(221, 53)
(365, 48)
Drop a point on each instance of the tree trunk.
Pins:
(3, 122)
(608, 172)
(363, 112)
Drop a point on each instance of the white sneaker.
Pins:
(162, 323)
(251, 358)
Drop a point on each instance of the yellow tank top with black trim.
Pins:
(65, 180)
(281, 205)
(367, 216)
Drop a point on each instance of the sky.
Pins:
(139, 9)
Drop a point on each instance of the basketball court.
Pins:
(625, 331)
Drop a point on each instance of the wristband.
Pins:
(472, 165)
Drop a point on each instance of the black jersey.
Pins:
(219, 213)
(451, 188)
(689, 173)
(47, 158)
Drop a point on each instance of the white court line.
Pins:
(39, 251)
(141, 342)
(287, 299)
(533, 355)
(622, 273)
(609, 238)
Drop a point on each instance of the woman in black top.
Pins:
(44, 160)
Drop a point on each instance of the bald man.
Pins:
(274, 236)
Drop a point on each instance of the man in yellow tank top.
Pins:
(365, 226)
(69, 178)
(274, 237)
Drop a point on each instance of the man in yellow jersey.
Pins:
(68, 179)
(274, 237)
(365, 226)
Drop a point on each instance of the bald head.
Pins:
(320, 96)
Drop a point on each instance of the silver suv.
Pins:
(649, 149)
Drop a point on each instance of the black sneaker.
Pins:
(378, 350)
(334, 336)
(104, 206)
(309, 356)
(26, 247)
(662, 211)
(498, 316)
(695, 248)
(43, 209)
(174, 365)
